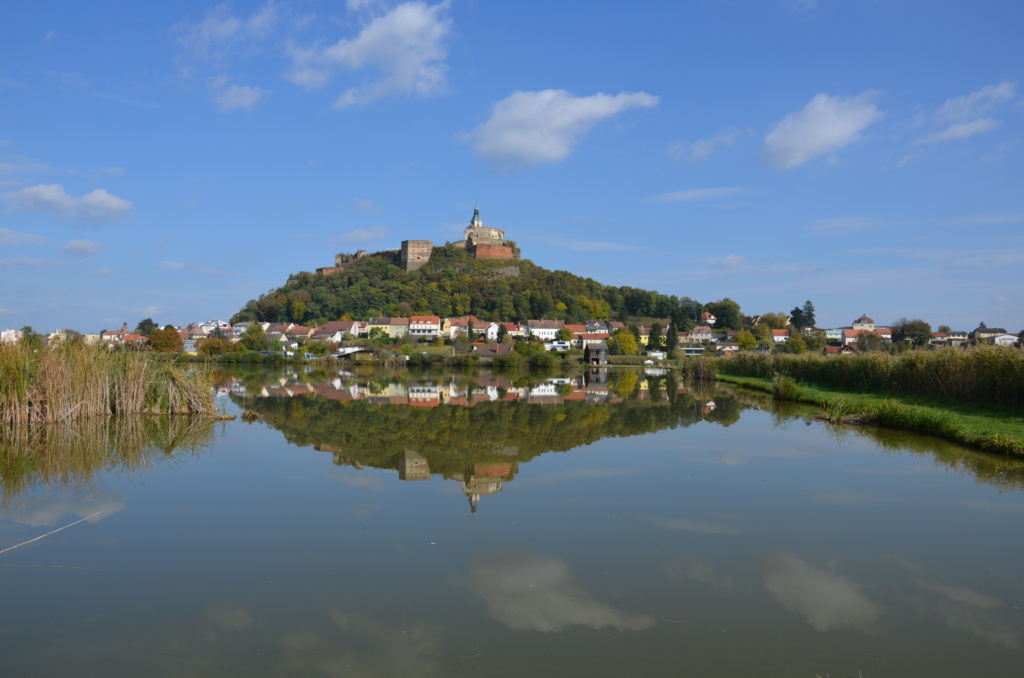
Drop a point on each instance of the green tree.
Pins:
(166, 340)
(502, 333)
(796, 343)
(563, 334)
(763, 334)
(774, 321)
(727, 313)
(808, 315)
(869, 341)
(916, 332)
(671, 338)
(945, 328)
(655, 341)
(746, 340)
(146, 327)
(31, 338)
(255, 338)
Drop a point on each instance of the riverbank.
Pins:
(984, 426)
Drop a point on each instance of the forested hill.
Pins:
(454, 284)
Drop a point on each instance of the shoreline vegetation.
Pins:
(67, 382)
(973, 397)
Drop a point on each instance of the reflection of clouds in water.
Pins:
(967, 610)
(585, 473)
(701, 572)
(223, 619)
(732, 460)
(363, 648)
(696, 526)
(46, 510)
(529, 591)
(828, 601)
(363, 510)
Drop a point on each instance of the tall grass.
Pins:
(699, 369)
(983, 374)
(71, 382)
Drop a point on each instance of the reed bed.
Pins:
(983, 374)
(699, 369)
(69, 454)
(72, 382)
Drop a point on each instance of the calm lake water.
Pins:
(403, 525)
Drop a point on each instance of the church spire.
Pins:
(476, 216)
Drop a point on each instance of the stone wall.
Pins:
(415, 253)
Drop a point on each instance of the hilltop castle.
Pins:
(482, 242)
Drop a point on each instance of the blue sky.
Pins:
(173, 160)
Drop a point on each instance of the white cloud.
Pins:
(695, 194)
(827, 600)
(731, 260)
(102, 272)
(702, 149)
(529, 128)
(45, 511)
(20, 261)
(95, 207)
(228, 97)
(366, 206)
(535, 592)
(219, 30)
(405, 46)
(960, 130)
(976, 103)
(82, 248)
(9, 237)
(362, 235)
(825, 124)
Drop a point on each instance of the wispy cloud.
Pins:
(827, 601)
(9, 237)
(219, 31)
(81, 248)
(696, 194)
(960, 130)
(405, 46)
(229, 97)
(530, 128)
(18, 262)
(102, 272)
(824, 125)
(967, 116)
(95, 207)
(366, 206)
(362, 235)
(702, 149)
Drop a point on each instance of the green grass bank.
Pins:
(970, 397)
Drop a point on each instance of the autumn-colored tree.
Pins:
(625, 342)
(166, 340)
(210, 346)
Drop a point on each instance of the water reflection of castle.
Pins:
(478, 477)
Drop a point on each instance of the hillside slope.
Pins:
(453, 284)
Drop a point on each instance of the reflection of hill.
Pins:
(476, 430)
(62, 454)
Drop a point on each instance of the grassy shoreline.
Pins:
(985, 426)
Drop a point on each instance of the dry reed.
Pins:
(72, 382)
